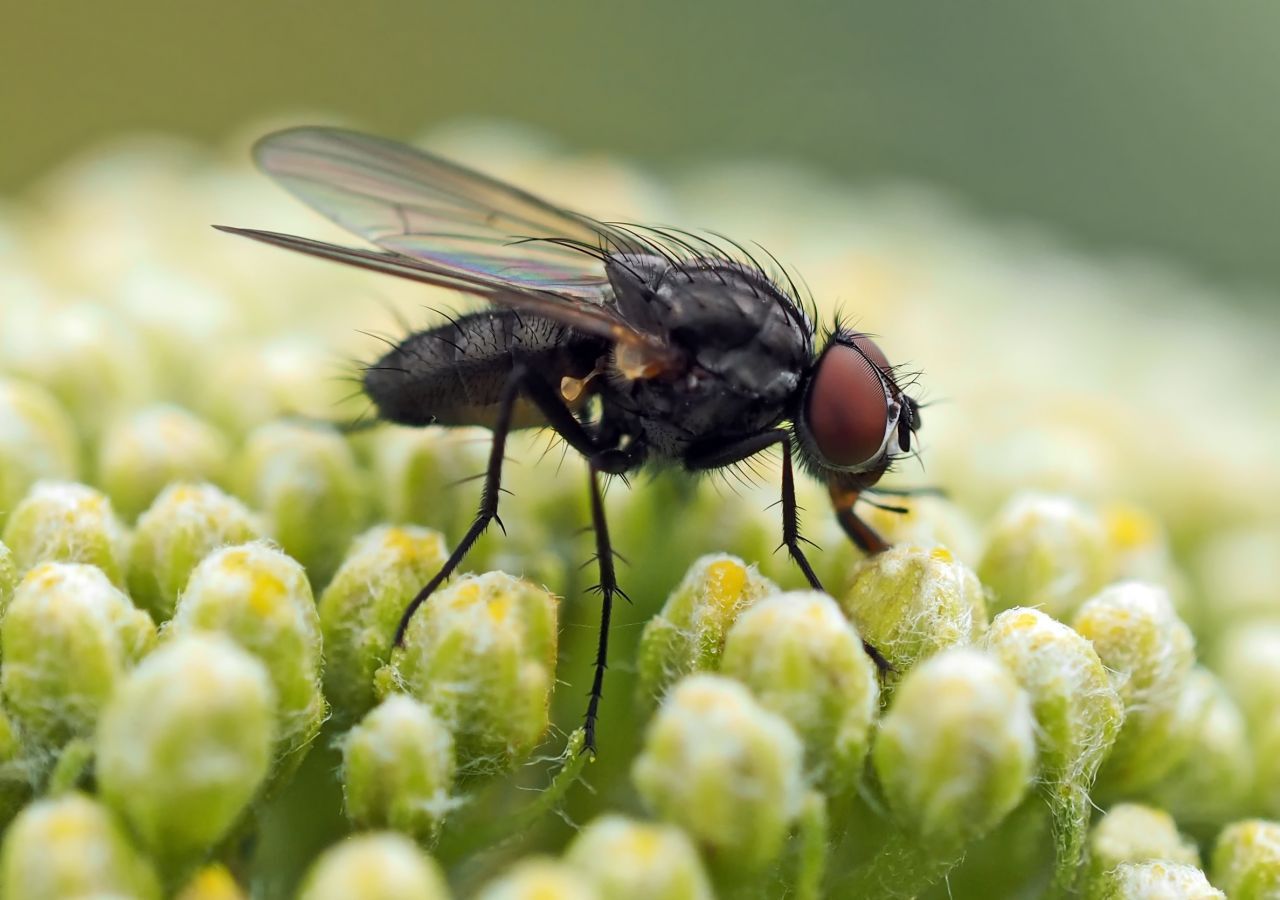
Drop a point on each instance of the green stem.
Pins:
(813, 832)
(73, 762)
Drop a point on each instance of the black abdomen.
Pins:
(453, 375)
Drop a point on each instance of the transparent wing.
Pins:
(418, 205)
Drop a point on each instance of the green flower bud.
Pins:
(213, 882)
(8, 577)
(362, 605)
(1246, 860)
(1149, 652)
(1211, 783)
(1131, 833)
(374, 866)
(68, 638)
(1046, 552)
(1248, 660)
(70, 846)
(1078, 716)
(185, 743)
(261, 599)
(139, 455)
(18, 773)
(630, 860)
(723, 768)
(185, 524)
(305, 480)
(910, 603)
(803, 660)
(688, 634)
(38, 442)
(415, 472)
(398, 769)
(541, 879)
(1266, 755)
(929, 521)
(1159, 881)
(1238, 570)
(481, 653)
(956, 749)
(68, 522)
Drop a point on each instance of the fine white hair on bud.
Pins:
(725, 769)
(1044, 551)
(1134, 833)
(688, 634)
(802, 659)
(375, 865)
(1246, 860)
(1157, 880)
(910, 603)
(68, 522)
(1149, 651)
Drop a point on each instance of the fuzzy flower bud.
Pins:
(71, 846)
(910, 603)
(185, 743)
(688, 634)
(1131, 833)
(1246, 860)
(260, 598)
(1159, 881)
(1247, 658)
(157, 445)
(305, 480)
(631, 860)
(68, 522)
(8, 577)
(213, 882)
(956, 749)
(723, 768)
(416, 470)
(1149, 651)
(37, 442)
(1211, 783)
(481, 654)
(398, 769)
(185, 524)
(1078, 715)
(802, 659)
(374, 866)
(68, 638)
(362, 605)
(541, 879)
(1046, 552)
(929, 521)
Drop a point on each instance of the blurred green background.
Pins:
(1140, 126)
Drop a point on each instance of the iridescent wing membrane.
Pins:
(444, 224)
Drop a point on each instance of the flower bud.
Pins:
(956, 750)
(802, 659)
(1149, 652)
(374, 866)
(67, 522)
(185, 743)
(481, 654)
(305, 480)
(18, 773)
(1246, 860)
(361, 607)
(157, 445)
(418, 473)
(38, 442)
(213, 882)
(398, 769)
(1078, 715)
(71, 846)
(260, 598)
(929, 521)
(1046, 552)
(910, 603)
(629, 860)
(185, 524)
(541, 879)
(8, 577)
(68, 638)
(1131, 833)
(1159, 881)
(1238, 570)
(723, 768)
(1212, 782)
(1247, 658)
(688, 634)
(250, 385)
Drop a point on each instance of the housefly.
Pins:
(636, 345)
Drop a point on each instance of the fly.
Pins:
(635, 345)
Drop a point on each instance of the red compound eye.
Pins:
(848, 410)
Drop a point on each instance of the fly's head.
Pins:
(854, 419)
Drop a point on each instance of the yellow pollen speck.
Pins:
(68, 828)
(942, 554)
(1129, 526)
(265, 592)
(645, 844)
(1024, 620)
(499, 609)
(725, 581)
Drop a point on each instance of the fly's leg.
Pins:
(736, 451)
(862, 534)
(607, 587)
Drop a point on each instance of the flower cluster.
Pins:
(201, 581)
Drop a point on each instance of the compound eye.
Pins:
(848, 408)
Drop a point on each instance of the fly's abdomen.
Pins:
(454, 374)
